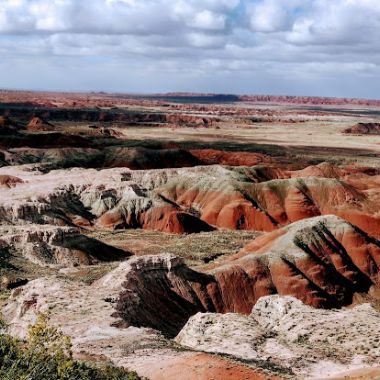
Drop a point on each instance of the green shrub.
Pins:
(46, 355)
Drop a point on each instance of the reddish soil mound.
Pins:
(212, 157)
(322, 261)
(165, 218)
(323, 170)
(237, 203)
(246, 198)
(38, 124)
(194, 199)
(360, 178)
(9, 181)
(364, 129)
(176, 222)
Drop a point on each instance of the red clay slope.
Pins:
(322, 261)
(244, 200)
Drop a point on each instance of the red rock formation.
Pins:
(194, 199)
(322, 261)
(213, 157)
(38, 124)
(165, 219)
(240, 204)
(323, 170)
(9, 181)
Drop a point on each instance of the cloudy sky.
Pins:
(296, 47)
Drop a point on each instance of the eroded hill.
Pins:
(247, 230)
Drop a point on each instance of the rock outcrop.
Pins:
(185, 200)
(84, 312)
(322, 261)
(51, 245)
(364, 129)
(283, 332)
(166, 289)
(243, 199)
(39, 124)
(190, 120)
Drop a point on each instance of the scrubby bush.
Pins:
(46, 355)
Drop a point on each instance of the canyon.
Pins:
(193, 236)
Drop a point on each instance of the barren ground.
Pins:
(226, 187)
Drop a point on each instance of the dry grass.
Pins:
(196, 249)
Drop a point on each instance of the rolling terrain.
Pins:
(193, 236)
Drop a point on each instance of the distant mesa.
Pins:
(364, 129)
(184, 97)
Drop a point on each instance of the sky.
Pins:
(283, 47)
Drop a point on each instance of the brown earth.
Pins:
(364, 129)
(202, 366)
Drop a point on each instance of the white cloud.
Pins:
(208, 20)
(203, 38)
(270, 16)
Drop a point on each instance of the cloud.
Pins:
(194, 42)
(208, 20)
(270, 16)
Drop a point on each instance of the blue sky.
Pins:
(296, 47)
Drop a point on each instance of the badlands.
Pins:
(190, 236)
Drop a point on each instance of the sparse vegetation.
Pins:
(196, 249)
(47, 355)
